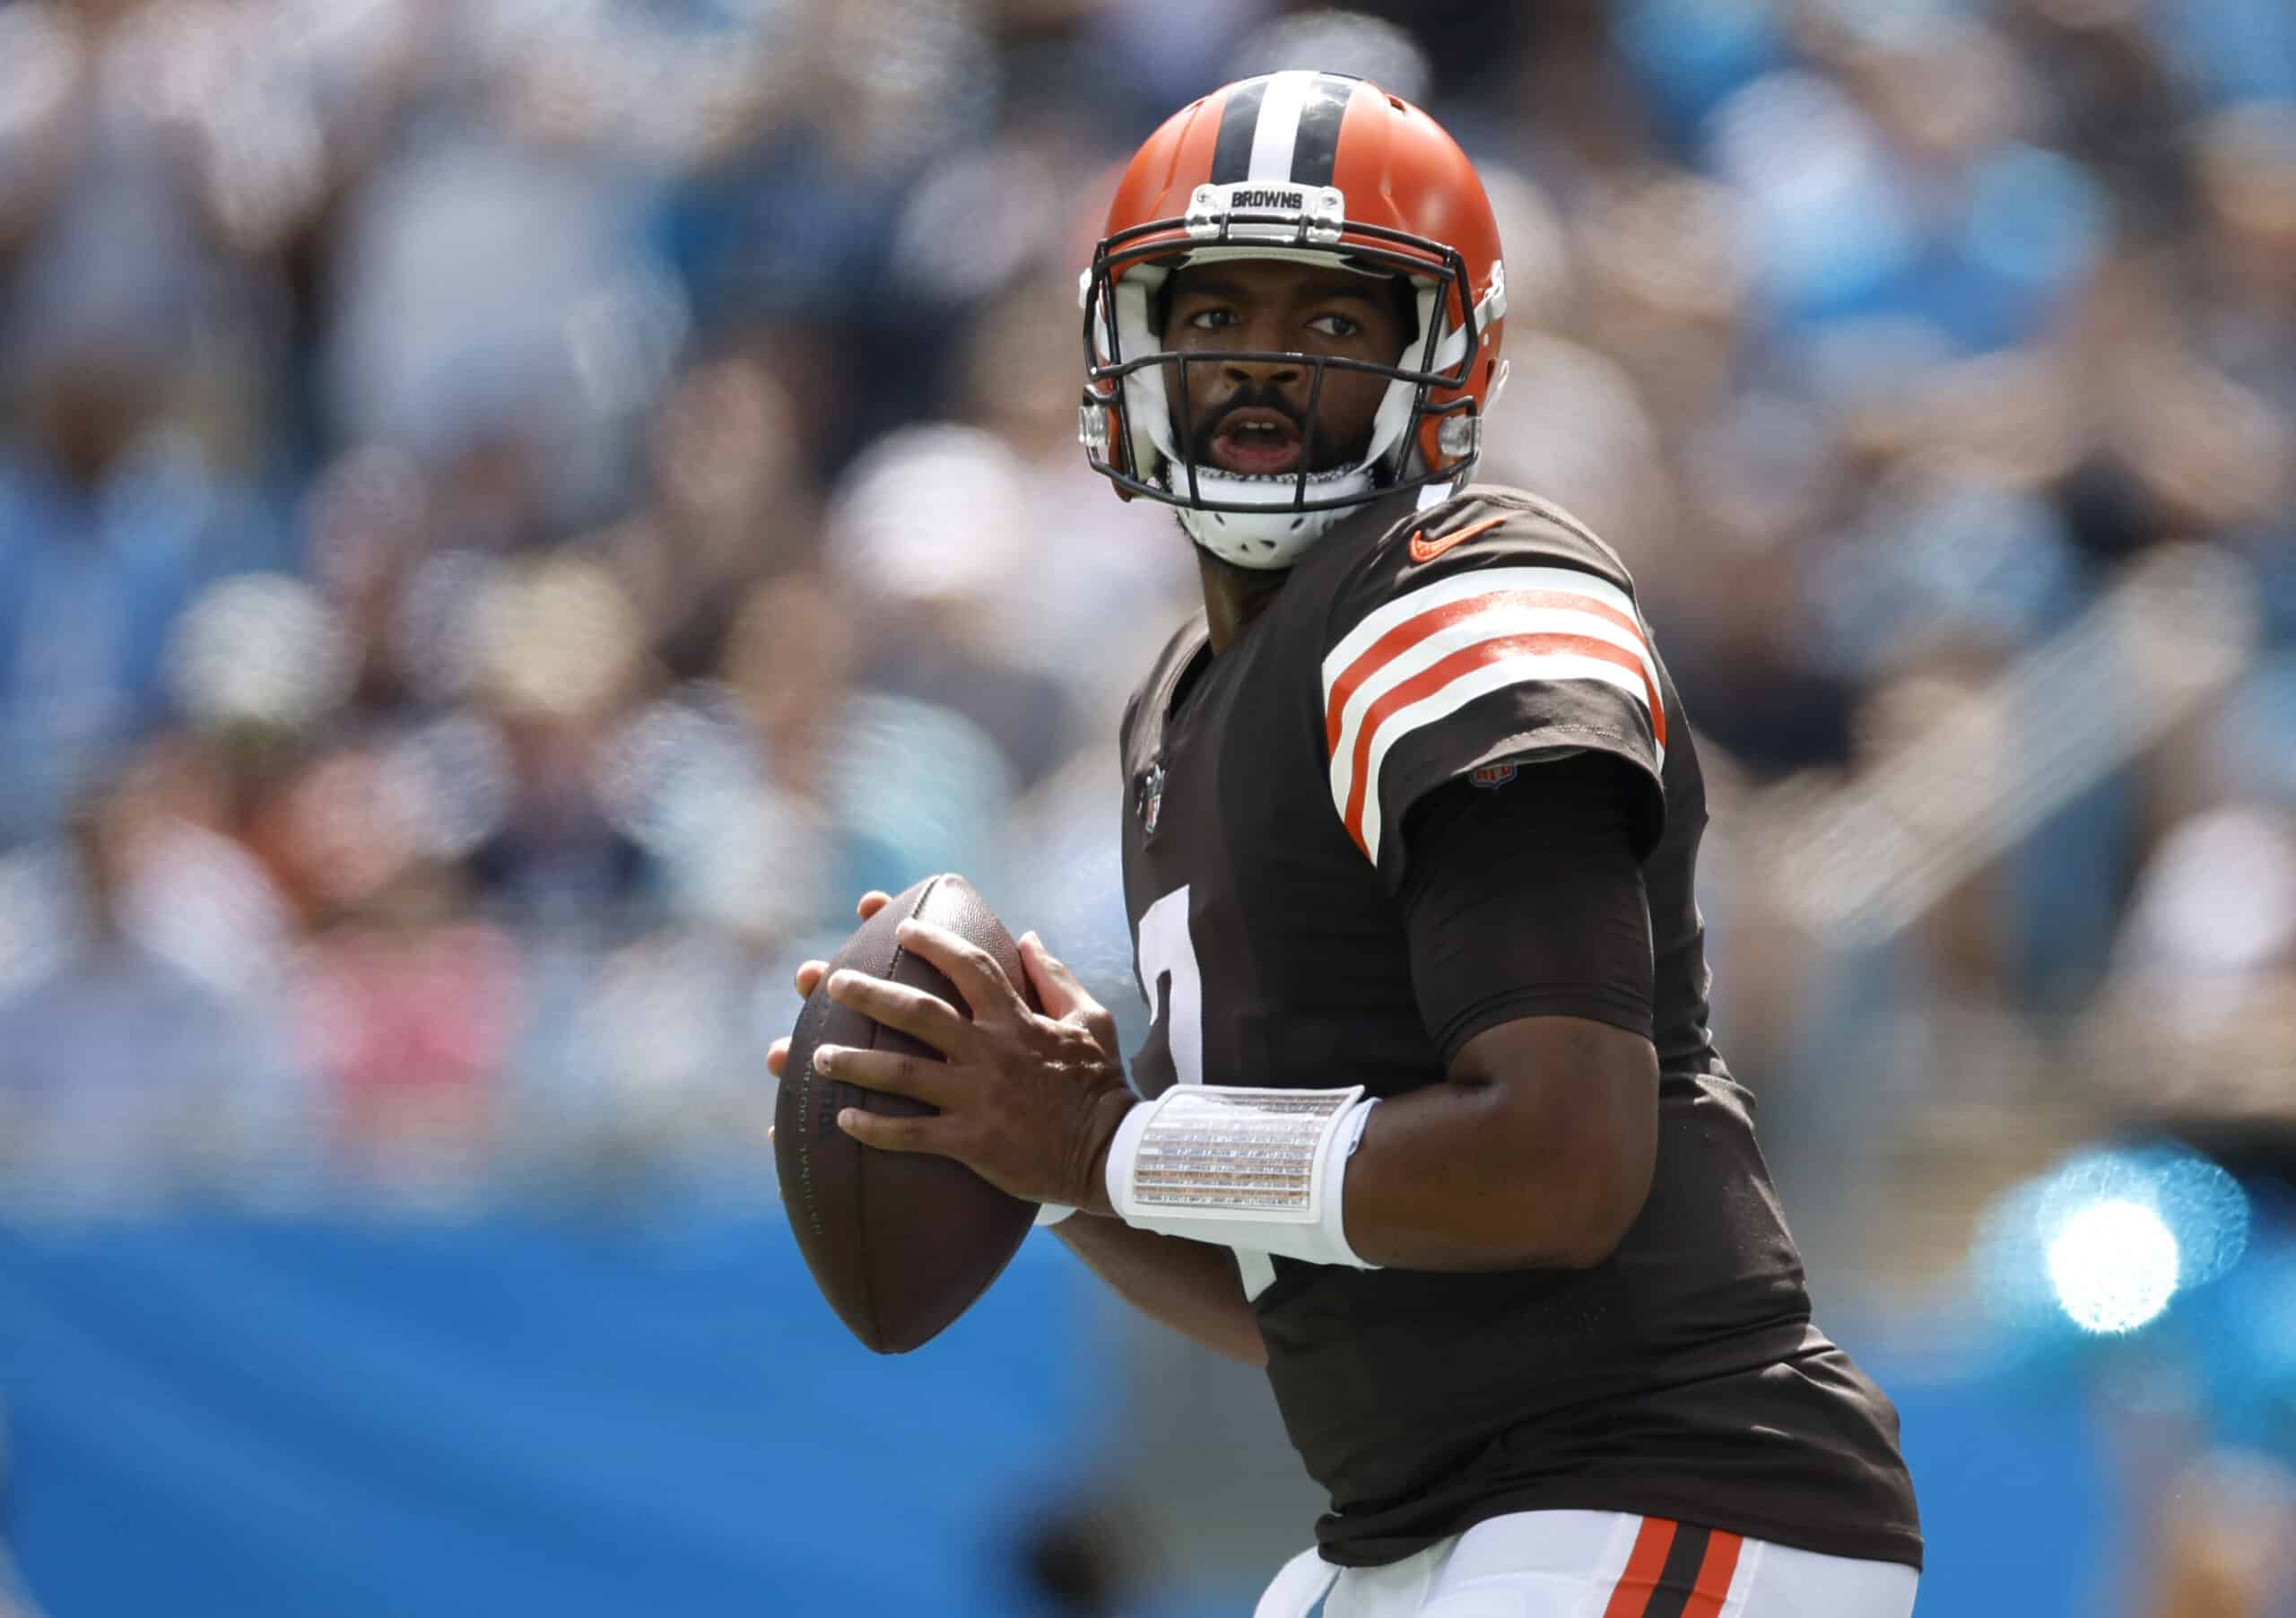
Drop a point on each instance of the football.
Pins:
(900, 1243)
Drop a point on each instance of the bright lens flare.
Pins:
(2114, 1265)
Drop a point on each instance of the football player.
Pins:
(1430, 1122)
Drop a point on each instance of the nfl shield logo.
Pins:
(1150, 797)
(1492, 775)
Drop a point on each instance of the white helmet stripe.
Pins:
(1276, 136)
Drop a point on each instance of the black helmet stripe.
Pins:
(1317, 146)
(1281, 127)
(1231, 158)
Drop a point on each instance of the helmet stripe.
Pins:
(1231, 158)
(1316, 147)
(1281, 127)
(1278, 133)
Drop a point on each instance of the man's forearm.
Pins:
(1535, 1150)
(1449, 1179)
(1191, 1286)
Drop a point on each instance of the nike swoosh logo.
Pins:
(1423, 549)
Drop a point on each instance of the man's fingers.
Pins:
(776, 1057)
(1057, 990)
(897, 1135)
(1062, 996)
(980, 981)
(872, 901)
(895, 1073)
(915, 1012)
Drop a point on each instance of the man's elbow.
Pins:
(1573, 1117)
(1605, 1214)
(1608, 1181)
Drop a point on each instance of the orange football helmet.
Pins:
(1295, 165)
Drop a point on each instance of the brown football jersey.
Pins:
(1263, 847)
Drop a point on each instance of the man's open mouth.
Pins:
(1257, 442)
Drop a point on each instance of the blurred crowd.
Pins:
(512, 512)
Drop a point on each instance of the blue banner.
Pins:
(569, 1420)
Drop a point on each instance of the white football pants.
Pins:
(1594, 1564)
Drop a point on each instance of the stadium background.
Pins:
(513, 511)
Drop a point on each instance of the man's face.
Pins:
(1251, 416)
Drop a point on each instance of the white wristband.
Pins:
(1262, 1169)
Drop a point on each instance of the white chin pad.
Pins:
(1273, 537)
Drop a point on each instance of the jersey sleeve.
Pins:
(1501, 634)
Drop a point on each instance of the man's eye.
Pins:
(1210, 320)
(1336, 325)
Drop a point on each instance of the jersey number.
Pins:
(1174, 1052)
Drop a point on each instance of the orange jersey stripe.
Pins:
(1714, 1576)
(1437, 675)
(1435, 618)
(1630, 1596)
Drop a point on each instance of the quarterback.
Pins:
(1430, 1122)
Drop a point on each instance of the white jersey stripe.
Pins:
(1501, 619)
(1456, 587)
(1743, 1576)
(1511, 670)
(1276, 138)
